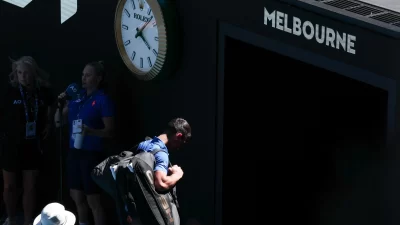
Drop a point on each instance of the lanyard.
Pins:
(83, 102)
(26, 106)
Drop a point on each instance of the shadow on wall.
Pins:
(127, 119)
(128, 124)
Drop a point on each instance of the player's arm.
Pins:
(163, 181)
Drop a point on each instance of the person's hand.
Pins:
(177, 170)
(85, 129)
(46, 132)
(174, 168)
(60, 97)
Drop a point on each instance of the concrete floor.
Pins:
(393, 5)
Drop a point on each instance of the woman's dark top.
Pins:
(12, 111)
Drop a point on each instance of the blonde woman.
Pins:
(26, 120)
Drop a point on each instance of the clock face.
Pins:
(139, 33)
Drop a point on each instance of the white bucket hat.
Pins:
(55, 214)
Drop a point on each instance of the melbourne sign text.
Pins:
(319, 33)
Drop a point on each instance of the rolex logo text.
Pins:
(141, 18)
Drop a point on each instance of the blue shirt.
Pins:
(161, 157)
(91, 109)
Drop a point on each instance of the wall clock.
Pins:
(146, 33)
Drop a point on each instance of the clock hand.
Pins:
(145, 42)
(140, 31)
(145, 25)
(140, 34)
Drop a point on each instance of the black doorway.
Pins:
(296, 139)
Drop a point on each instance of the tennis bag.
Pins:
(133, 188)
(102, 174)
(135, 184)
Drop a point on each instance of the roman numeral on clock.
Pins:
(155, 52)
(125, 27)
(149, 61)
(141, 62)
(127, 42)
